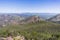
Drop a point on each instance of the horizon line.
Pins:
(30, 12)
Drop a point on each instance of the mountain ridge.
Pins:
(6, 19)
(55, 18)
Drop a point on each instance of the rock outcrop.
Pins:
(55, 18)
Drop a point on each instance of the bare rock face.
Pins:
(33, 19)
(6, 19)
(19, 38)
(55, 18)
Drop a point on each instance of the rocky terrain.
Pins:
(8, 19)
(33, 27)
(55, 18)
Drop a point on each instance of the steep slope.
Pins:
(6, 19)
(37, 31)
(33, 19)
(55, 18)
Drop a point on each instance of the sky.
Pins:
(32, 6)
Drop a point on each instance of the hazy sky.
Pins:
(38, 6)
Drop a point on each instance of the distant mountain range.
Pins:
(43, 15)
(23, 18)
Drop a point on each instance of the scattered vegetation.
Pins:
(33, 31)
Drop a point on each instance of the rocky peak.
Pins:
(33, 19)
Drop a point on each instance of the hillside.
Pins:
(34, 31)
(23, 18)
(55, 18)
(6, 19)
(33, 27)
